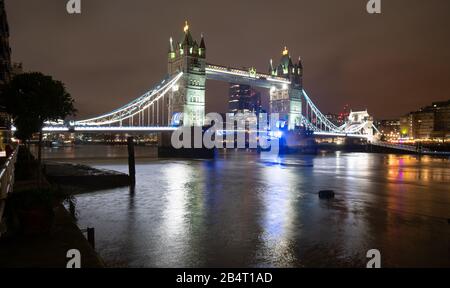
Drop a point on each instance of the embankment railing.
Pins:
(6, 181)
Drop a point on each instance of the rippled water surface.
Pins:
(241, 210)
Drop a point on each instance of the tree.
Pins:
(25, 129)
(34, 98)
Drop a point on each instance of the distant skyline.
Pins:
(114, 51)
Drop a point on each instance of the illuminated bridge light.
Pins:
(125, 129)
(134, 107)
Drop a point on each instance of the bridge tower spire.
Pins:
(189, 96)
(287, 100)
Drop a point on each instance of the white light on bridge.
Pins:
(236, 72)
(125, 129)
(55, 129)
(335, 134)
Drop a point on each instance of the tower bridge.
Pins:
(179, 99)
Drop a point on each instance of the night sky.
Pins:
(390, 64)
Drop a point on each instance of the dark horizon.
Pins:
(350, 57)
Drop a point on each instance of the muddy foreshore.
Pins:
(83, 178)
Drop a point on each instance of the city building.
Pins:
(5, 75)
(441, 120)
(339, 118)
(423, 124)
(389, 129)
(343, 114)
(243, 99)
(406, 126)
(334, 118)
(428, 123)
(5, 50)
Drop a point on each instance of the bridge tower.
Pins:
(188, 97)
(287, 99)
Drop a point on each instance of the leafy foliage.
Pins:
(33, 98)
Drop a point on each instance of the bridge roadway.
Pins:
(240, 76)
(146, 129)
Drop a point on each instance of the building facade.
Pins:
(5, 74)
(243, 99)
(441, 120)
(287, 100)
(336, 119)
(5, 50)
(389, 129)
(428, 123)
(188, 97)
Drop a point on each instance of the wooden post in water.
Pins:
(91, 236)
(72, 209)
(131, 162)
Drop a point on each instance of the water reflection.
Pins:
(174, 215)
(239, 210)
(279, 201)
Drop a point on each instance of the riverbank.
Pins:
(44, 247)
(49, 251)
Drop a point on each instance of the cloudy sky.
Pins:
(116, 49)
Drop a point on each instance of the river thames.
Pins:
(240, 210)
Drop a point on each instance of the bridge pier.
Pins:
(296, 141)
(167, 150)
